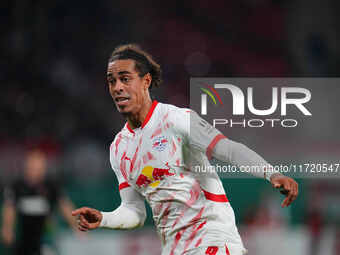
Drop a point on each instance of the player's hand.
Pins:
(287, 186)
(7, 236)
(88, 218)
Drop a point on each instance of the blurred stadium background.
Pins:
(54, 96)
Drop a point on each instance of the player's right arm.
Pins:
(129, 215)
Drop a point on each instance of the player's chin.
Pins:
(123, 110)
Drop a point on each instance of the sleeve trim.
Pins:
(213, 144)
(123, 185)
(222, 198)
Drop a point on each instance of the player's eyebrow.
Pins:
(109, 75)
(123, 72)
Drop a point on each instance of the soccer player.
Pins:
(30, 200)
(154, 157)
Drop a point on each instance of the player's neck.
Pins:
(136, 120)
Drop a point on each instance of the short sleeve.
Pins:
(198, 133)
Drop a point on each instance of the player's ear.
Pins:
(147, 81)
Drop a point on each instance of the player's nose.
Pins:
(119, 87)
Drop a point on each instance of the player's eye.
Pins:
(111, 81)
(125, 79)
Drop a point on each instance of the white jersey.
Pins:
(189, 209)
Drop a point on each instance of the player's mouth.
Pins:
(120, 101)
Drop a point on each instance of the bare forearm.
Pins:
(8, 219)
(66, 207)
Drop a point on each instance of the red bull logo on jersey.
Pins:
(160, 143)
(152, 176)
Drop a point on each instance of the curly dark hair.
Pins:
(143, 62)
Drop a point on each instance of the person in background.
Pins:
(30, 200)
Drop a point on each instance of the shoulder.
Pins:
(173, 111)
(116, 145)
(176, 117)
(119, 137)
(14, 189)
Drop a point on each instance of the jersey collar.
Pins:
(147, 118)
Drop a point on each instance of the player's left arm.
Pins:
(66, 207)
(227, 150)
(203, 136)
(61, 199)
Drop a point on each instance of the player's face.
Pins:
(127, 89)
